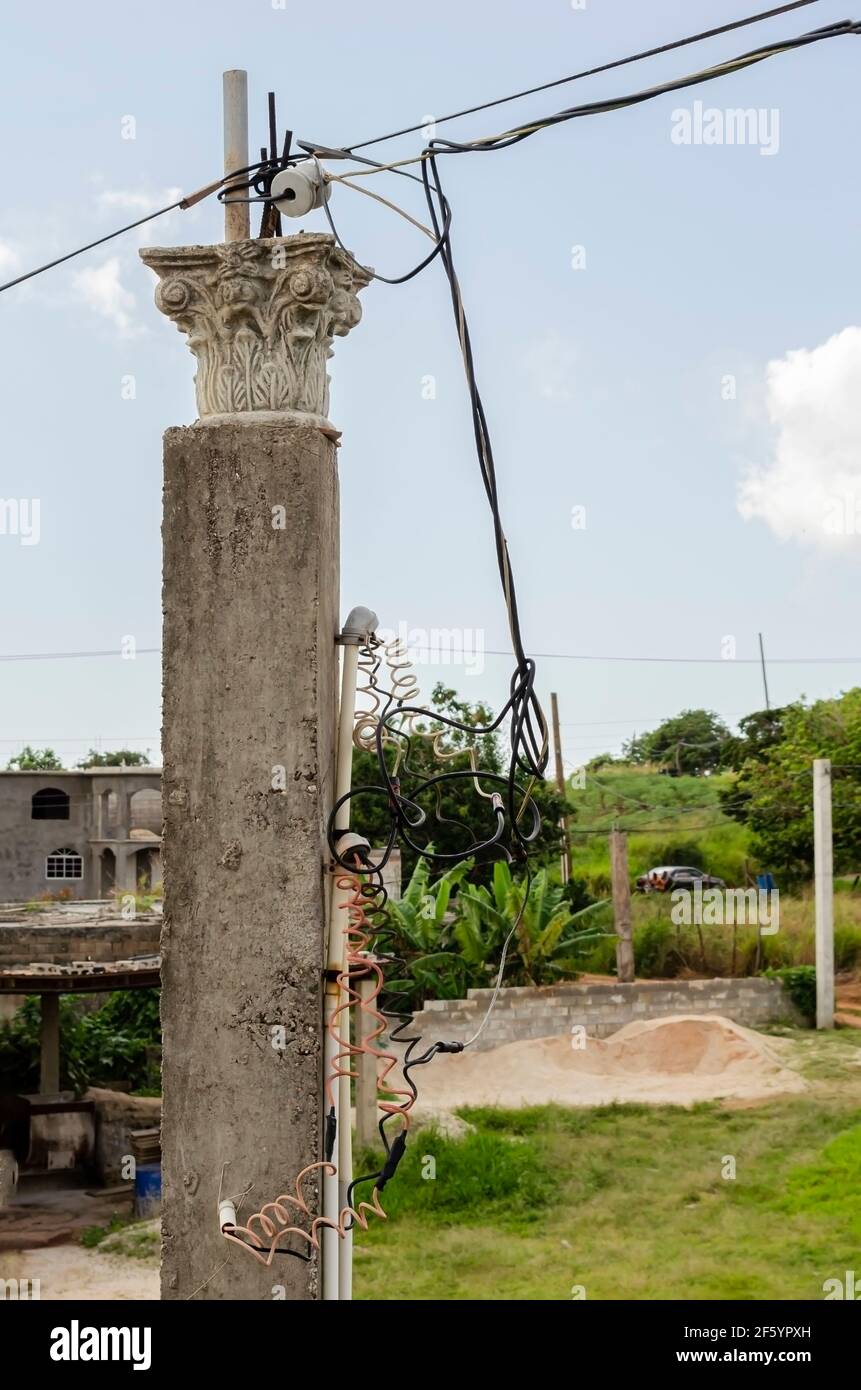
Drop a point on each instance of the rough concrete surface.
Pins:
(250, 613)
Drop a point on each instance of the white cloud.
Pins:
(810, 490)
(100, 289)
(137, 203)
(9, 258)
(550, 364)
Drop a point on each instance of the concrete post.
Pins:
(250, 617)
(49, 1074)
(823, 859)
(622, 906)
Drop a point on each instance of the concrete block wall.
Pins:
(602, 1009)
(21, 943)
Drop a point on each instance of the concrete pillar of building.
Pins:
(49, 1072)
(126, 869)
(250, 616)
(124, 815)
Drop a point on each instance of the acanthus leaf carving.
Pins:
(260, 317)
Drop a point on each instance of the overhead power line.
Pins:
(184, 202)
(508, 137)
(64, 656)
(588, 72)
(492, 651)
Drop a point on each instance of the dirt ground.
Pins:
(40, 1235)
(71, 1272)
(678, 1061)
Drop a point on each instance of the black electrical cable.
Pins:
(440, 146)
(590, 72)
(28, 275)
(270, 165)
(185, 202)
(757, 55)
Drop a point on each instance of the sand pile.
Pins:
(674, 1061)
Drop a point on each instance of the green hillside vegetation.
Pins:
(669, 820)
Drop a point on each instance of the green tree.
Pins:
(120, 757)
(757, 733)
(690, 743)
(112, 1043)
(773, 795)
(35, 760)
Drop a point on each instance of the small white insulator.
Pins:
(298, 190)
(226, 1214)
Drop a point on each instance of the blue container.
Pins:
(147, 1190)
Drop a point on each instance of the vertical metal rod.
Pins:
(237, 216)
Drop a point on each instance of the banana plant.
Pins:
(548, 940)
(420, 920)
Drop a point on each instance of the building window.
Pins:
(50, 804)
(65, 864)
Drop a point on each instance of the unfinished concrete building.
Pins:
(83, 834)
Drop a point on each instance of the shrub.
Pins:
(799, 981)
(847, 947)
(114, 1043)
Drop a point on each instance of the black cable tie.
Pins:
(331, 1134)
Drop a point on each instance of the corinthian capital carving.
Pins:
(260, 317)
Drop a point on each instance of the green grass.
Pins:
(138, 1240)
(630, 1202)
(91, 1236)
(662, 949)
(484, 1174)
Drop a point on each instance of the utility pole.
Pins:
(560, 784)
(622, 906)
(764, 676)
(823, 862)
(250, 598)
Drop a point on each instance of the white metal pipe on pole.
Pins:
(337, 1251)
(237, 216)
(823, 862)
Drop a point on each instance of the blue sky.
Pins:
(709, 508)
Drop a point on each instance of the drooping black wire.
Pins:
(498, 142)
(589, 72)
(439, 146)
(507, 138)
(100, 241)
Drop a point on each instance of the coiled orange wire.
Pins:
(273, 1221)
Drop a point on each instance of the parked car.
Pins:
(666, 877)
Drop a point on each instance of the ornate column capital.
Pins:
(260, 317)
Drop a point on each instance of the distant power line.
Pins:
(66, 656)
(491, 651)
